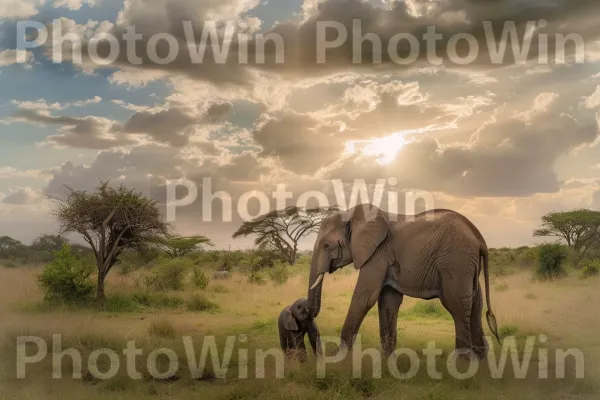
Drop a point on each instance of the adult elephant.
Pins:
(435, 254)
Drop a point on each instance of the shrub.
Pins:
(199, 279)
(167, 275)
(257, 278)
(551, 258)
(199, 302)
(161, 328)
(119, 304)
(508, 330)
(280, 273)
(66, 278)
(590, 268)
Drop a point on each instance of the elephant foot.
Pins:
(480, 352)
(464, 355)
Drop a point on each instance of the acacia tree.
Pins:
(110, 220)
(178, 246)
(283, 229)
(48, 243)
(580, 229)
(11, 248)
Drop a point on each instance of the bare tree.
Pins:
(283, 229)
(110, 220)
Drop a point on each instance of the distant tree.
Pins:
(48, 243)
(111, 220)
(283, 229)
(11, 248)
(579, 229)
(179, 246)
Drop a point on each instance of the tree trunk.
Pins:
(100, 296)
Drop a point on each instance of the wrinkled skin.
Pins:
(436, 254)
(294, 322)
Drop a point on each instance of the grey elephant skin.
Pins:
(294, 323)
(435, 254)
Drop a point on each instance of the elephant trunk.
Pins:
(315, 286)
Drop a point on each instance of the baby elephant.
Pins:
(294, 322)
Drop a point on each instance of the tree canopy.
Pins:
(110, 220)
(49, 242)
(179, 246)
(579, 229)
(283, 229)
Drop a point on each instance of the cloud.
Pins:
(73, 4)
(382, 20)
(175, 125)
(84, 133)
(14, 9)
(9, 57)
(21, 196)
(509, 156)
(301, 143)
(592, 101)
(42, 104)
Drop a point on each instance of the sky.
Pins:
(501, 142)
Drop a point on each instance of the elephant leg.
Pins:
(388, 304)
(457, 298)
(366, 294)
(480, 345)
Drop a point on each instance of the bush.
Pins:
(199, 278)
(167, 275)
(508, 330)
(199, 302)
(257, 278)
(551, 258)
(280, 273)
(162, 329)
(590, 269)
(66, 278)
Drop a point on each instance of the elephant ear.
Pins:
(289, 322)
(368, 227)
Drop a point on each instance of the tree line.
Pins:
(115, 220)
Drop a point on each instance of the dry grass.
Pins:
(563, 310)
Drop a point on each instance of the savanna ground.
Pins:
(565, 310)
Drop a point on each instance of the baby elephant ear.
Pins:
(289, 322)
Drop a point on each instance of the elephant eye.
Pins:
(326, 246)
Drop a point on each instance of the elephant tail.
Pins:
(489, 315)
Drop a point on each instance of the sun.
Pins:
(385, 149)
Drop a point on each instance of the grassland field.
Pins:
(566, 311)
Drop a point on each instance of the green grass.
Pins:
(115, 303)
(199, 302)
(508, 330)
(428, 309)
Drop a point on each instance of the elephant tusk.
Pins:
(317, 282)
